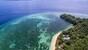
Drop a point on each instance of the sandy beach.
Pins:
(54, 38)
(53, 41)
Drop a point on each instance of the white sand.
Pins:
(54, 39)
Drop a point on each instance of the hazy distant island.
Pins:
(75, 38)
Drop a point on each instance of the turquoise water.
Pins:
(32, 32)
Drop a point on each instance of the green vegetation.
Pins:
(70, 18)
(78, 34)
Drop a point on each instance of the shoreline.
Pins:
(53, 41)
(55, 37)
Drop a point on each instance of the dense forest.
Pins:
(78, 34)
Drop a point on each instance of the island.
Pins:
(75, 38)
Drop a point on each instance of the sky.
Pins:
(12, 8)
(15, 6)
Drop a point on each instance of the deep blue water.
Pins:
(10, 10)
(8, 16)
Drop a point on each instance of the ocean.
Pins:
(31, 32)
(31, 26)
(10, 10)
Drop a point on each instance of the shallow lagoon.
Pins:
(32, 32)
